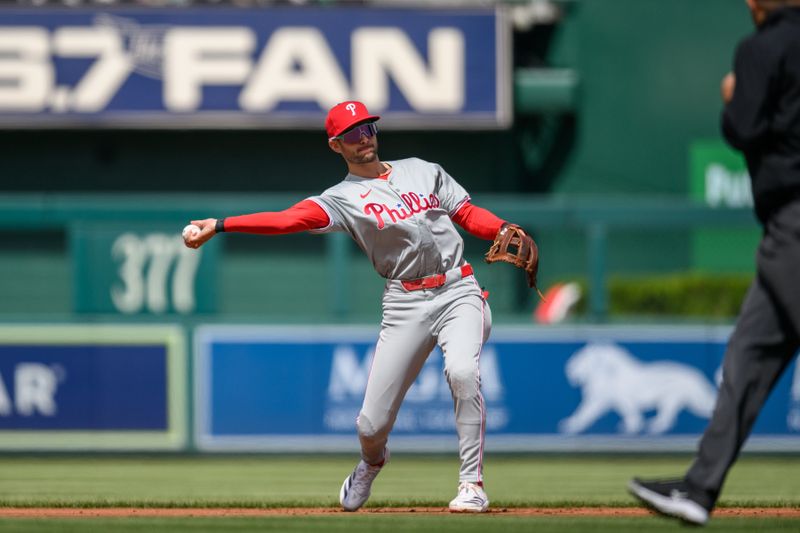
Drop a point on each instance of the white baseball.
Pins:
(190, 231)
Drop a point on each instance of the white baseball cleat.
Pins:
(356, 488)
(471, 499)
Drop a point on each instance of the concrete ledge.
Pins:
(538, 90)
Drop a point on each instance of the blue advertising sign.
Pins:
(83, 387)
(264, 68)
(585, 389)
(91, 387)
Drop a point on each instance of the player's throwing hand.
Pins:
(196, 239)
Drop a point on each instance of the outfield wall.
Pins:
(121, 256)
(250, 388)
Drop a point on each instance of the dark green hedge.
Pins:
(690, 295)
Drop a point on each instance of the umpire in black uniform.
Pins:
(761, 118)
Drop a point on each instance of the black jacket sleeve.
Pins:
(745, 120)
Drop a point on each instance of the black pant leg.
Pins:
(778, 262)
(756, 356)
(763, 343)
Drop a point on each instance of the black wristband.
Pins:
(220, 226)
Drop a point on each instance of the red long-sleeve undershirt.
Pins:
(307, 215)
(478, 221)
(302, 216)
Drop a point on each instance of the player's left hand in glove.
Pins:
(513, 245)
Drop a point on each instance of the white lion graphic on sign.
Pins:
(611, 379)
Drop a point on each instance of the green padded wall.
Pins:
(650, 74)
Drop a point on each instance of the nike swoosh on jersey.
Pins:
(365, 194)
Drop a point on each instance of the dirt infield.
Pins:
(122, 512)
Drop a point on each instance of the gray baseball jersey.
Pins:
(403, 225)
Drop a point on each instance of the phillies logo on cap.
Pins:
(346, 115)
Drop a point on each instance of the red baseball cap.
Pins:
(345, 115)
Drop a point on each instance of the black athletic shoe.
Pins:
(670, 497)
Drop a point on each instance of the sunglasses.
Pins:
(353, 135)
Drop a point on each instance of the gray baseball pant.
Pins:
(457, 318)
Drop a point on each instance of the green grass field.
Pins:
(409, 480)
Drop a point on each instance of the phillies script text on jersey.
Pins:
(414, 203)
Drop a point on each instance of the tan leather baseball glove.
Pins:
(513, 245)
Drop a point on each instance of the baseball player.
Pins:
(401, 214)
